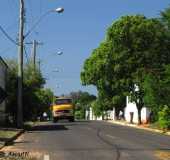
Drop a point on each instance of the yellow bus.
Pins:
(63, 108)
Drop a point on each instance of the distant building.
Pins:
(3, 76)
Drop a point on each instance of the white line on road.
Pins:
(46, 157)
(110, 136)
(89, 128)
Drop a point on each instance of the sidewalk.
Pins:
(144, 127)
(8, 135)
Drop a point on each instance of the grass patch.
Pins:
(6, 134)
(156, 125)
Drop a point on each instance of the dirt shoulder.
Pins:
(143, 126)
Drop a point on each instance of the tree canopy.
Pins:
(36, 99)
(134, 47)
(82, 101)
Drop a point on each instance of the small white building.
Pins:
(90, 115)
(132, 109)
(3, 75)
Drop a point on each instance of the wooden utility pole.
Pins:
(34, 51)
(20, 65)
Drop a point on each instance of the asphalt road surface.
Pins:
(85, 140)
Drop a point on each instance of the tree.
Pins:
(165, 17)
(134, 47)
(11, 88)
(143, 45)
(151, 95)
(99, 70)
(36, 99)
(82, 101)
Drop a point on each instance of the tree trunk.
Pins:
(139, 115)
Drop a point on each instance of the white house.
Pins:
(132, 109)
(128, 110)
(3, 74)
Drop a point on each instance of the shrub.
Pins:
(164, 117)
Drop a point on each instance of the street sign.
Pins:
(3, 95)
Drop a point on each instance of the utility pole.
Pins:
(39, 65)
(20, 65)
(34, 51)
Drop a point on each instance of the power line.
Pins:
(7, 35)
(32, 18)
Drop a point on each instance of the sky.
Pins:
(76, 32)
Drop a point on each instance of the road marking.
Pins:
(89, 128)
(110, 136)
(125, 155)
(46, 157)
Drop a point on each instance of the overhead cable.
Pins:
(7, 35)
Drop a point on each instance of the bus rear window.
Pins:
(63, 101)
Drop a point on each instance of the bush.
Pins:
(79, 114)
(164, 118)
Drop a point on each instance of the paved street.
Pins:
(91, 141)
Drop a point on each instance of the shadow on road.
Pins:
(48, 128)
(76, 123)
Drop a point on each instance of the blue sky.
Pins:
(76, 32)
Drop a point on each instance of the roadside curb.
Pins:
(139, 127)
(10, 141)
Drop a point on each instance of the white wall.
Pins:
(131, 107)
(90, 115)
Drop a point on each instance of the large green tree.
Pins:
(134, 47)
(99, 70)
(142, 47)
(165, 17)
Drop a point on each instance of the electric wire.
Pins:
(7, 36)
(32, 18)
